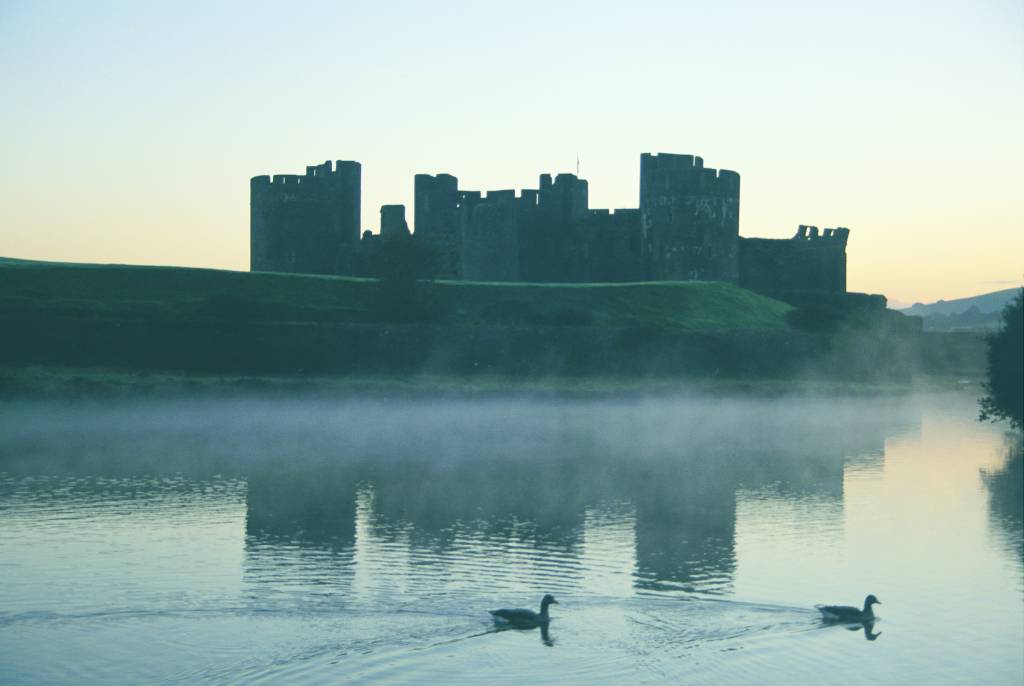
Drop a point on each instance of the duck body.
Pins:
(523, 618)
(848, 613)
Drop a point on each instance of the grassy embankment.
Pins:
(176, 293)
(94, 326)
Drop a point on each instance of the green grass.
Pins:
(113, 292)
(98, 326)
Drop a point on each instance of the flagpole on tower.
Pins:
(577, 165)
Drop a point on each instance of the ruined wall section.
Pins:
(808, 261)
(306, 224)
(690, 218)
(392, 221)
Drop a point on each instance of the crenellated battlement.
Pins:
(811, 260)
(673, 161)
(335, 171)
(440, 180)
(503, 195)
(685, 175)
(320, 169)
(837, 236)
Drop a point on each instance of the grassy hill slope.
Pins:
(117, 292)
(209, 321)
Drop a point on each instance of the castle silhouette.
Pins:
(686, 228)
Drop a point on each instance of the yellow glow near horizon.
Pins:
(131, 133)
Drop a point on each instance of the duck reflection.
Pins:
(868, 627)
(545, 632)
(869, 631)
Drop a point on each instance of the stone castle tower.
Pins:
(552, 246)
(436, 214)
(686, 228)
(306, 224)
(690, 218)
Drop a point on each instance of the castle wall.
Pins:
(806, 262)
(552, 247)
(306, 224)
(690, 218)
(437, 216)
(614, 245)
(490, 237)
(367, 254)
(687, 227)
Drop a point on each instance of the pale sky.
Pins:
(130, 130)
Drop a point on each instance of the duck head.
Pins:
(548, 600)
(871, 600)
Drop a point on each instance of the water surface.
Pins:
(345, 541)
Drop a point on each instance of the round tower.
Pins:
(689, 218)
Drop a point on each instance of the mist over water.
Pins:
(349, 540)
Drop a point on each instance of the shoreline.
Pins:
(34, 382)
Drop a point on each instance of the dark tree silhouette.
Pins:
(1005, 386)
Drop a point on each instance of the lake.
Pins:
(687, 539)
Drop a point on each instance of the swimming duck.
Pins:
(847, 613)
(526, 619)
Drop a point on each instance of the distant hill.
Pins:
(14, 261)
(977, 313)
(987, 302)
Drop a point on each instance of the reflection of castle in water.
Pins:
(313, 506)
(681, 498)
(656, 484)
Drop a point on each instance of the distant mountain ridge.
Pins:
(976, 313)
(987, 302)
